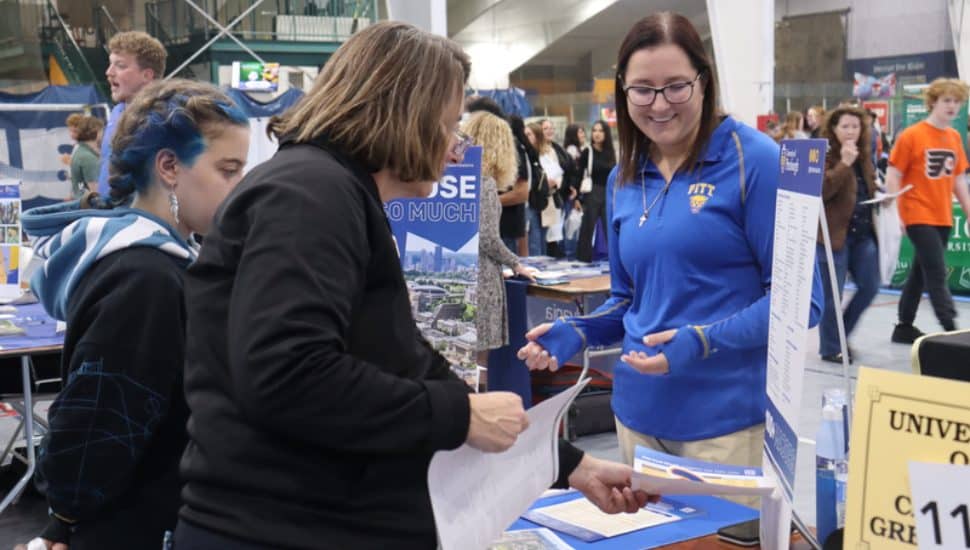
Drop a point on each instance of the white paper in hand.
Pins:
(475, 496)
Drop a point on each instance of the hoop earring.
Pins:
(173, 204)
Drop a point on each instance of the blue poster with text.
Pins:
(437, 239)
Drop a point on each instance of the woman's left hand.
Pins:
(645, 364)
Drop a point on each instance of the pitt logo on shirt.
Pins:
(699, 194)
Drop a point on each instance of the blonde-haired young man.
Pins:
(135, 60)
(930, 157)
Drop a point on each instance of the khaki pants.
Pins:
(741, 448)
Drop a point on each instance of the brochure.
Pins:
(530, 539)
(882, 197)
(8, 328)
(660, 473)
(581, 518)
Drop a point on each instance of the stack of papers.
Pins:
(475, 495)
(550, 277)
(660, 473)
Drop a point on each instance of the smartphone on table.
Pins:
(746, 533)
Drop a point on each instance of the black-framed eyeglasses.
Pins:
(674, 93)
(462, 142)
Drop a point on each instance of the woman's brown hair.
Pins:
(88, 128)
(652, 31)
(864, 142)
(542, 146)
(380, 99)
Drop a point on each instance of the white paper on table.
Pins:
(943, 487)
(883, 197)
(475, 495)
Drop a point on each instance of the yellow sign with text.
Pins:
(899, 418)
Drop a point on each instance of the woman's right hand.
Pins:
(850, 152)
(497, 418)
(535, 356)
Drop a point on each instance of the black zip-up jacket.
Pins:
(315, 403)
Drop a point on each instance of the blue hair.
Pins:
(171, 119)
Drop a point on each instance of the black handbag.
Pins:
(538, 191)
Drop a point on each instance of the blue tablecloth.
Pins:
(717, 513)
(41, 330)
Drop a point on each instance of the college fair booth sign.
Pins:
(900, 420)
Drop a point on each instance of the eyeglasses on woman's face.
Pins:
(674, 93)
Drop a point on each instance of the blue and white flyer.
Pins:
(437, 239)
(663, 474)
(802, 167)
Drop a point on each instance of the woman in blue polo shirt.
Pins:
(691, 208)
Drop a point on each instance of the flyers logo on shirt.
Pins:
(940, 163)
(699, 194)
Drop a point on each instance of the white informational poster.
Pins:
(796, 226)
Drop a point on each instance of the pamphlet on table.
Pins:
(530, 539)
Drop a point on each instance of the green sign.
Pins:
(957, 256)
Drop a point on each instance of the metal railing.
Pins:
(20, 46)
(104, 26)
(175, 22)
(67, 51)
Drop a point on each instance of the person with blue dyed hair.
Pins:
(114, 272)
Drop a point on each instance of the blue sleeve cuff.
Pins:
(686, 347)
(563, 340)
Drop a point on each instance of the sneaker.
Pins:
(836, 358)
(905, 333)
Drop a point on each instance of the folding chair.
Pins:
(943, 354)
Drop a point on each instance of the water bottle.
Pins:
(841, 478)
(830, 463)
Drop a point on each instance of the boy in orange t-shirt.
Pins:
(930, 157)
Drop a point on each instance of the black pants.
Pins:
(928, 272)
(191, 537)
(594, 210)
